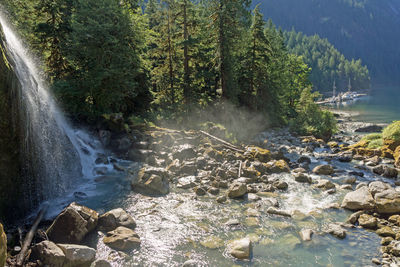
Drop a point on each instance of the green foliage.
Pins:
(311, 119)
(171, 62)
(392, 132)
(375, 144)
(108, 74)
(327, 63)
(372, 137)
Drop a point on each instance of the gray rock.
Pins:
(49, 253)
(304, 159)
(336, 230)
(240, 249)
(378, 187)
(324, 170)
(151, 181)
(237, 190)
(350, 180)
(325, 184)
(77, 255)
(72, 224)
(306, 234)
(114, 218)
(367, 221)
(353, 218)
(122, 238)
(186, 182)
(275, 211)
(361, 199)
(388, 202)
(302, 178)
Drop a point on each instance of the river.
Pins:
(382, 106)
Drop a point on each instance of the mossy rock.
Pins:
(258, 153)
(367, 152)
(3, 246)
(391, 136)
(396, 156)
(333, 144)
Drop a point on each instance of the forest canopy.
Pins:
(170, 58)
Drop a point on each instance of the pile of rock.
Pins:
(73, 225)
(374, 203)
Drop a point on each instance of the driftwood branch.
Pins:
(21, 257)
(223, 142)
(240, 169)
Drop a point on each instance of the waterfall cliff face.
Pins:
(40, 155)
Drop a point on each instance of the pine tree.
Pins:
(104, 48)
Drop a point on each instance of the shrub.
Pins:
(311, 119)
(375, 144)
(372, 137)
(392, 132)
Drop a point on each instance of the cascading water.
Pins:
(54, 156)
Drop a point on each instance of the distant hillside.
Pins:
(327, 63)
(366, 29)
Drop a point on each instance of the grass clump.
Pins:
(392, 132)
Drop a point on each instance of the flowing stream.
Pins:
(59, 160)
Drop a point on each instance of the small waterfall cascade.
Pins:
(54, 156)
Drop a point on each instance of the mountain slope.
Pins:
(366, 29)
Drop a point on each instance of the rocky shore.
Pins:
(248, 186)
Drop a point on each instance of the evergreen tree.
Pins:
(104, 50)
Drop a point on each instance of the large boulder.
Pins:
(122, 238)
(240, 249)
(3, 246)
(378, 187)
(77, 255)
(48, 253)
(151, 181)
(114, 218)
(369, 129)
(361, 199)
(237, 190)
(388, 201)
(72, 224)
(324, 170)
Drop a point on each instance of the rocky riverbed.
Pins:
(183, 198)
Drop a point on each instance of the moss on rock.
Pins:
(3, 246)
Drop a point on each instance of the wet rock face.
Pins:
(3, 246)
(73, 224)
(10, 171)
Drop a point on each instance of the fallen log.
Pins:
(223, 142)
(22, 256)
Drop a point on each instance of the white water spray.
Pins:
(54, 156)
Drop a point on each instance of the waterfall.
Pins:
(54, 156)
